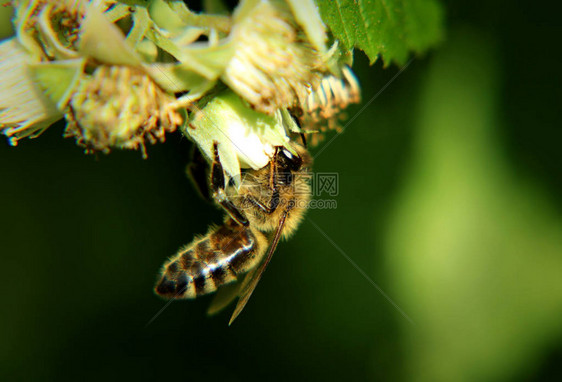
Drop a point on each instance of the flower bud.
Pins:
(274, 65)
(120, 106)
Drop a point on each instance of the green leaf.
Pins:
(386, 28)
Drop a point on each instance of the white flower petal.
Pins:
(24, 109)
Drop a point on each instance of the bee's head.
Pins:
(287, 161)
(289, 164)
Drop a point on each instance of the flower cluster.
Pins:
(124, 74)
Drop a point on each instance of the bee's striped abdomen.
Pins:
(210, 262)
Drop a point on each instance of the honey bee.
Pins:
(268, 205)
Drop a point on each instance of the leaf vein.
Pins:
(338, 9)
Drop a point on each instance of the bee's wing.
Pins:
(224, 297)
(254, 276)
(230, 292)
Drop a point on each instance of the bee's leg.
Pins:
(273, 170)
(274, 180)
(303, 138)
(218, 185)
(274, 201)
(285, 164)
(267, 209)
(198, 171)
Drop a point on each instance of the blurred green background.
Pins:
(450, 199)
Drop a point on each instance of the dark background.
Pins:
(450, 188)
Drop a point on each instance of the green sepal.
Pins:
(245, 137)
(176, 78)
(103, 41)
(307, 16)
(59, 79)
